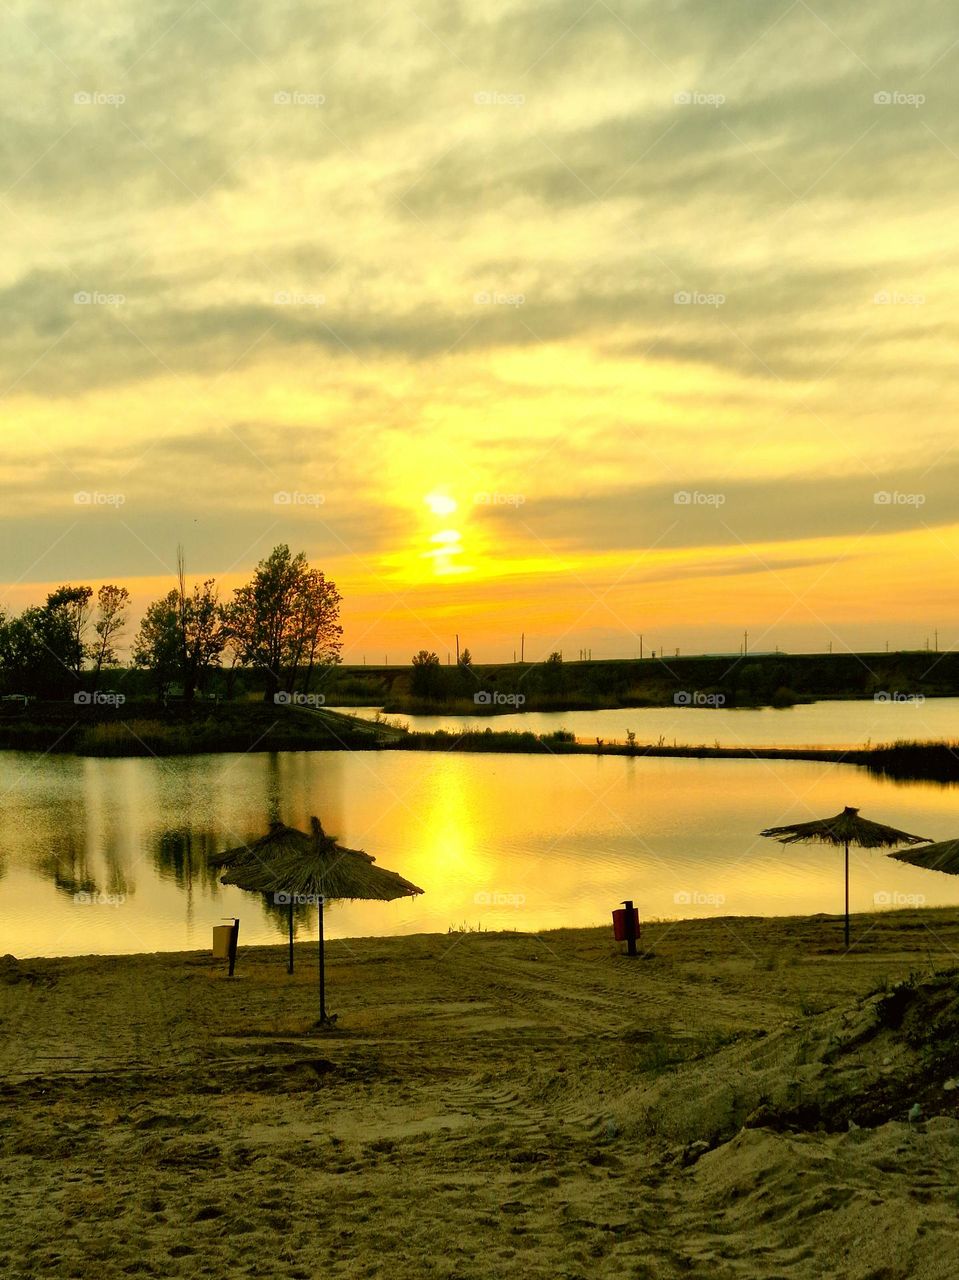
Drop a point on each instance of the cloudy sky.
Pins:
(583, 320)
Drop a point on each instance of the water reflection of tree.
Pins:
(278, 915)
(68, 867)
(184, 857)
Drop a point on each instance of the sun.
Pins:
(441, 504)
(445, 543)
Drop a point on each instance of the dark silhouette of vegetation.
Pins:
(426, 679)
(68, 609)
(779, 680)
(181, 637)
(44, 649)
(180, 640)
(281, 628)
(142, 727)
(917, 761)
(285, 622)
(111, 620)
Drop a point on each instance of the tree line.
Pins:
(283, 624)
(429, 680)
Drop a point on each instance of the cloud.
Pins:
(377, 249)
(120, 543)
(617, 195)
(726, 511)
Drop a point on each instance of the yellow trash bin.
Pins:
(222, 933)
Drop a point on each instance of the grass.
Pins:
(926, 761)
(142, 728)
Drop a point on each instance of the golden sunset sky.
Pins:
(583, 320)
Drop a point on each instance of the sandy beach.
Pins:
(741, 1100)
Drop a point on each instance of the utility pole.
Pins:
(457, 649)
(640, 648)
(745, 643)
(937, 639)
(522, 647)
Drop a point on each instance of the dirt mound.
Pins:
(871, 1204)
(894, 1055)
(13, 971)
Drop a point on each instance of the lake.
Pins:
(110, 856)
(814, 724)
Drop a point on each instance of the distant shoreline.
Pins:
(258, 727)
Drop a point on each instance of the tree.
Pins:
(41, 650)
(425, 680)
(201, 633)
(286, 620)
(181, 638)
(202, 636)
(23, 653)
(45, 648)
(553, 678)
(68, 616)
(466, 660)
(157, 644)
(112, 603)
(314, 633)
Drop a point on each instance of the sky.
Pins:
(584, 321)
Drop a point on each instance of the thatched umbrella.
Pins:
(323, 872)
(278, 843)
(845, 828)
(943, 856)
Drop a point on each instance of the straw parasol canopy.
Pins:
(844, 829)
(943, 856)
(322, 872)
(279, 842)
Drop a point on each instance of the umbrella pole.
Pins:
(322, 970)
(847, 895)
(290, 967)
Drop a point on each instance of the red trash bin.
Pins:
(619, 924)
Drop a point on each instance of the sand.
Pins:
(740, 1101)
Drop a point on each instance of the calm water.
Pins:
(521, 842)
(815, 724)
